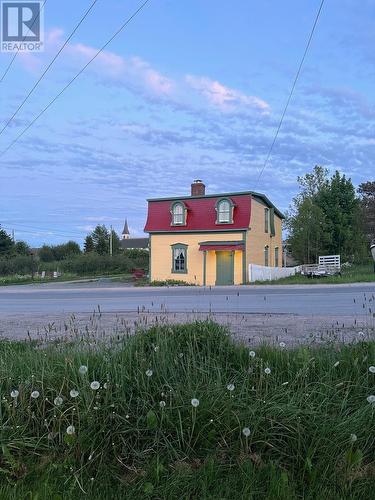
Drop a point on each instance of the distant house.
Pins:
(210, 239)
(128, 243)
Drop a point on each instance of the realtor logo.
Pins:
(21, 26)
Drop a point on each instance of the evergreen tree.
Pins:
(6, 243)
(100, 237)
(89, 244)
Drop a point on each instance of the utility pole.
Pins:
(111, 242)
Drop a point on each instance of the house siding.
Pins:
(257, 238)
(161, 257)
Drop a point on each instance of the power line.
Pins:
(122, 27)
(292, 89)
(49, 65)
(24, 38)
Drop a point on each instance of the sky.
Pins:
(190, 89)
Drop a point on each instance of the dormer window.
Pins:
(178, 212)
(224, 211)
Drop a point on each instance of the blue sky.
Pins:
(191, 89)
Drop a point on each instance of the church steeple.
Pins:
(125, 231)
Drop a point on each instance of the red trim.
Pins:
(218, 247)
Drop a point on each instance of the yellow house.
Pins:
(210, 239)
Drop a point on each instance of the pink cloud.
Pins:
(225, 98)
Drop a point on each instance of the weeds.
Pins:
(183, 412)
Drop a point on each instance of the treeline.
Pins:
(327, 217)
(19, 259)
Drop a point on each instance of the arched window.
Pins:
(178, 214)
(266, 255)
(224, 209)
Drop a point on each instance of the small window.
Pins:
(178, 214)
(266, 220)
(266, 256)
(277, 257)
(224, 209)
(179, 258)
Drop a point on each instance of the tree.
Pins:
(367, 192)
(46, 253)
(325, 218)
(100, 237)
(89, 244)
(22, 248)
(116, 244)
(6, 243)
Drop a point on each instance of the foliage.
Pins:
(325, 219)
(367, 193)
(52, 253)
(310, 426)
(6, 242)
(89, 244)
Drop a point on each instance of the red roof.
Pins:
(201, 214)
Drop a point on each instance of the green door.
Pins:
(224, 268)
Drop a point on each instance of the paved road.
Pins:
(323, 300)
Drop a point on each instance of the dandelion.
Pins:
(353, 438)
(230, 387)
(195, 402)
(267, 371)
(105, 385)
(246, 431)
(73, 393)
(156, 348)
(371, 369)
(149, 373)
(282, 345)
(162, 404)
(83, 369)
(181, 355)
(35, 394)
(70, 430)
(58, 401)
(95, 385)
(361, 334)
(336, 364)
(252, 354)
(371, 399)
(14, 393)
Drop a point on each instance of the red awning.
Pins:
(218, 247)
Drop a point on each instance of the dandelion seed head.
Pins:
(181, 355)
(58, 401)
(252, 354)
(83, 369)
(353, 438)
(73, 393)
(267, 371)
(35, 394)
(246, 431)
(149, 373)
(230, 387)
(195, 402)
(14, 393)
(95, 385)
(105, 385)
(156, 348)
(70, 430)
(371, 399)
(282, 345)
(371, 369)
(162, 404)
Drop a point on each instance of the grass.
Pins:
(126, 445)
(355, 274)
(27, 280)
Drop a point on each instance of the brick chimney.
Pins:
(198, 188)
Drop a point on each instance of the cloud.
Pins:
(225, 98)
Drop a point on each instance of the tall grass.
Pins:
(139, 436)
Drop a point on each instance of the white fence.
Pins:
(330, 261)
(263, 273)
